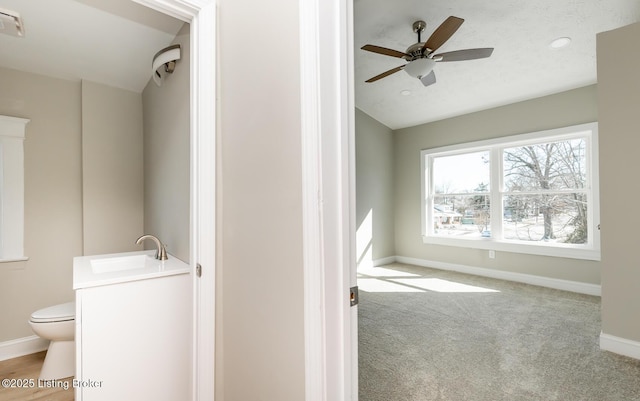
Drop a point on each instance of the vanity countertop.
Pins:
(114, 268)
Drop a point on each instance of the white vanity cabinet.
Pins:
(133, 329)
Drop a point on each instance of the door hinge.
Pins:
(353, 296)
(198, 270)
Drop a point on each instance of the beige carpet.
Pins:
(427, 334)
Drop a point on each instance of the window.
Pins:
(12, 133)
(534, 193)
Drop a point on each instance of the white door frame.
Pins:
(201, 15)
(328, 158)
(328, 140)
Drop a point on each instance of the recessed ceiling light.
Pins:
(560, 42)
(405, 92)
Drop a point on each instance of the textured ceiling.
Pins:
(106, 41)
(522, 66)
(113, 42)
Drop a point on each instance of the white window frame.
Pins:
(588, 251)
(12, 135)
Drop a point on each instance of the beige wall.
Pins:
(53, 197)
(260, 343)
(166, 156)
(111, 169)
(375, 190)
(618, 105)
(555, 111)
(68, 118)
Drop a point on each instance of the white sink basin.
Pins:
(116, 264)
(107, 269)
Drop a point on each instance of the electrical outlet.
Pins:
(492, 254)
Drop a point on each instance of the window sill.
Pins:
(11, 260)
(559, 251)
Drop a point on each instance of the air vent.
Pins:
(11, 23)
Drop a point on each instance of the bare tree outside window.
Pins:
(534, 193)
(545, 197)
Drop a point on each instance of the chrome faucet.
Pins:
(161, 253)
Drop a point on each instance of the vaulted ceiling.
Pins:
(106, 41)
(522, 66)
(113, 42)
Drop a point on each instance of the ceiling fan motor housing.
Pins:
(415, 51)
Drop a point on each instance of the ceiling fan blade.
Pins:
(442, 33)
(467, 54)
(384, 50)
(384, 74)
(428, 79)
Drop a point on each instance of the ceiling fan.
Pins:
(420, 56)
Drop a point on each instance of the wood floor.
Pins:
(22, 381)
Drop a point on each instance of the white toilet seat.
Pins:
(57, 324)
(56, 313)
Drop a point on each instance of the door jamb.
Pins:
(201, 15)
(328, 167)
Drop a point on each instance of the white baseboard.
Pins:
(558, 284)
(368, 263)
(620, 345)
(384, 261)
(22, 346)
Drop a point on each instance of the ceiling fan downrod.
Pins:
(418, 27)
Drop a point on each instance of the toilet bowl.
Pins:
(57, 324)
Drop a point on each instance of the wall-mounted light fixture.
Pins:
(11, 23)
(164, 62)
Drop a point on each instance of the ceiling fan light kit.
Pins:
(420, 67)
(420, 56)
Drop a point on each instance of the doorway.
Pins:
(201, 15)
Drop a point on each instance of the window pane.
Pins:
(548, 166)
(461, 215)
(466, 173)
(558, 218)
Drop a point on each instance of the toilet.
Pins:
(57, 324)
